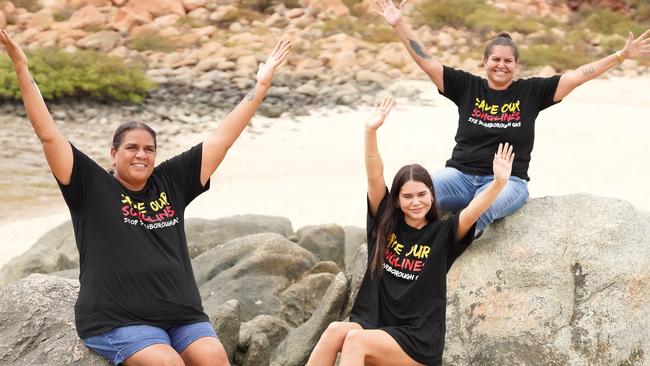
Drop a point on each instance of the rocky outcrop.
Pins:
(205, 234)
(55, 251)
(565, 280)
(254, 269)
(37, 324)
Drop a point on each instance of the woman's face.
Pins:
(500, 66)
(134, 159)
(415, 201)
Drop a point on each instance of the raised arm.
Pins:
(502, 167)
(574, 78)
(393, 16)
(374, 164)
(216, 146)
(56, 148)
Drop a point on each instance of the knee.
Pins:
(217, 356)
(170, 359)
(332, 330)
(354, 342)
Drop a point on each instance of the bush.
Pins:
(82, 74)
(262, 5)
(611, 22)
(31, 5)
(151, 41)
(473, 14)
(369, 30)
(555, 55)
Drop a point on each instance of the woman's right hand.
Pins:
(14, 51)
(381, 112)
(389, 11)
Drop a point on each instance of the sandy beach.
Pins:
(310, 169)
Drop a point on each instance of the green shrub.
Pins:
(189, 22)
(31, 5)
(608, 22)
(369, 30)
(151, 41)
(473, 14)
(559, 57)
(82, 74)
(435, 13)
(64, 13)
(262, 5)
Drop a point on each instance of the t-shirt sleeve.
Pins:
(543, 89)
(457, 247)
(185, 170)
(84, 170)
(371, 221)
(455, 83)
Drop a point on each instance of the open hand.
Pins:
(14, 51)
(381, 112)
(502, 165)
(637, 47)
(279, 54)
(389, 11)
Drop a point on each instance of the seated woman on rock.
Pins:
(138, 303)
(495, 110)
(398, 317)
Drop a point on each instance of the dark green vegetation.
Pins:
(84, 74)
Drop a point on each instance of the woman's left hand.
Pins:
(279, 54)
(637, 47)
(502, 165)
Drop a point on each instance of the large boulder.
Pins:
(204, 234)
(37, 324)
(226, 322)
(54, 251)
(327, 242)
(297, 346)
(253, 269)
(564, 280)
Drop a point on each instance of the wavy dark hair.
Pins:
(391, 215)
(502, 39)
(125, 127)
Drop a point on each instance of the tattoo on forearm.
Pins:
(588, 70)
(251, 95)
(415, 46)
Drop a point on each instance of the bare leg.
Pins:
(205, 351)
(373, 347)
(330, 343)
(156, 354)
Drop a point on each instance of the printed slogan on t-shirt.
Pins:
(403, 261)
(496, 115)
(155, 214)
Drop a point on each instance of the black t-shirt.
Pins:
(134, 263)
(488, 117)
(408, 300)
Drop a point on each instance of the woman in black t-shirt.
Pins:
(495, 110)
(138, 303)
(398, 317)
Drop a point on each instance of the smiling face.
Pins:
(415, 201)
(500, 66)
(134, 159)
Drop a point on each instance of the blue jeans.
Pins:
(454, 190)
(120, 343)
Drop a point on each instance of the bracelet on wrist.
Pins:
(619, 56)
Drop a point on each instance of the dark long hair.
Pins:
(391, 215)
(502, 39)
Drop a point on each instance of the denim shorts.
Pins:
(120, 343)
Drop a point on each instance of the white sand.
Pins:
(311, 170)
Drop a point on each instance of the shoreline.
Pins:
(310, 169)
